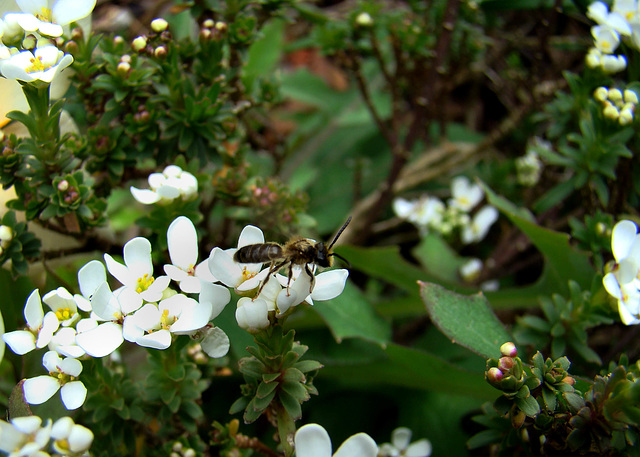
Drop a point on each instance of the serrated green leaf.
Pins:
(466, 320)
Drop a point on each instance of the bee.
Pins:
(297, 251)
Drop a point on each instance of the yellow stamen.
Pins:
(45, 15)
(36, 65)
(247, 274)
(144, 283)
(63, 314)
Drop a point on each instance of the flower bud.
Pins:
(6, 233)
(221, 26)
(63, 185)
(189, 453)
(509, 349)
(364, 20)
(494, 375)
(71, 47)
(118, 40)
(160, 52)
(626, 117)
(569, 380)
(29, 42)
(615, 95)
(159, 25)
(611, 112)
(601, 94)
(505, 364)
(630, 97)
(139, 43)
(208, 23)
(123, 69)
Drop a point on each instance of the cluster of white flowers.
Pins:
(27, 436)
(172, 183)
(146, 311)
(312, 440)
(277, 296)
(617, 105)
(430, 214)
(621, 280)
(621, 23)
(27, 52)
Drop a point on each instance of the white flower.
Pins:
(182, 240)
(166, 186)
(23, 436)
(622, 281)
(62, 304)
(42, 65)
(464, 194)
(137, 272)
(240, 276)
(606, 39)
(424, 212)
(99, 340)
(39, 331)
(6, 235)
(70, 437)
(312, 440)
(480, 225)
(48, 16)
(252, 315)
(401, 445)
(63, 374)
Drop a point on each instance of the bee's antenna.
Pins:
(338, 235)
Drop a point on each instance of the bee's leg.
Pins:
(313, 278)
(290, 276)
(274, 268)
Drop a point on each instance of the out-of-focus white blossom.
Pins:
(172, 183)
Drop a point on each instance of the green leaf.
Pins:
(528, 405)
(562, 261)
(265, 53)
(291, 405)
(350, 315)
(266, 388)
(466, 320)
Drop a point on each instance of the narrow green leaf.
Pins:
(239, 405)
(528, 405)
(466, 320)
(291, 405)
(266, 388)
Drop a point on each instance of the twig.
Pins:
(244, 442)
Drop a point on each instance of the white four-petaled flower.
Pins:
(44, 64)
(401, 445)
(312, 440)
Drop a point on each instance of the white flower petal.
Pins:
(145, 196)
(216, 343)
(182, 240)
(33, 312)
(222, 267)
(49, 325)
(215, 294)
(137, 258)
(329, 284)
(73, 394)
(39, 389)
(421, 448)
(156, 340)
(90, 277)
(20, 341)
(312, 440)
(102, 340)
(360, 445)
(401, 437)
(80, 439)
(117, 270)
(623, 236)
(64, 12)
(250, 235)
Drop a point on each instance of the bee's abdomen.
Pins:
(258, 253)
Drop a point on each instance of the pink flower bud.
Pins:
(509, 349)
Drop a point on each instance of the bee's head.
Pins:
(323, 258)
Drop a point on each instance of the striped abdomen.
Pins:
(258, 253)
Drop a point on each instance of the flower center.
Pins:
(166, 321)
(63, 314)
(36, 65)
(191, 271)
(45, 15)
(62, 377)
(246, 274)
(144, 283)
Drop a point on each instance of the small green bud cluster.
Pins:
(617, 105)
(212, 30)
